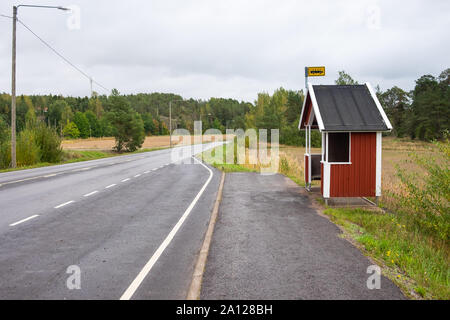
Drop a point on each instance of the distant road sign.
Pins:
(315, 71)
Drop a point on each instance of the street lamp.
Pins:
(13, 82)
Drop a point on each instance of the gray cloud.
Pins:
(234, 49)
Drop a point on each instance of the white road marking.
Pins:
(91, 193)
(111, 185)
(64, 204)
(23, 220)
(22, 180)
(149, 265)
(137, 175)
(50, 175)
(146, 171)
(154, 169)
(125, 179)
(82, 169)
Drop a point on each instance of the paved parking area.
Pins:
(270, 243)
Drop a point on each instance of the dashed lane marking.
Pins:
(64, 204)
(90, 193)
(23, 220)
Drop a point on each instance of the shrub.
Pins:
(71, 130)
(49, 143)
(5, 145)
(27, 151)
(5, 154)
(425, 202)
(284, 165)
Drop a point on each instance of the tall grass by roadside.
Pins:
(418, 263)
(423, 197)
(35, 144)
(67, 156)
(413, 238)
(5, 146)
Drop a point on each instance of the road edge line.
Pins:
(132, 288)
(197, 277)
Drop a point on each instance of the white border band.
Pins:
(378, 104)
(378, 166)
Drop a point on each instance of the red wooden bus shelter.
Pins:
(351, 121)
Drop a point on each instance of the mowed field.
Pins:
(107, 143)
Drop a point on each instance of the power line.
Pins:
(61, 56)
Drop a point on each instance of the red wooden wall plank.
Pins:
(358, 178)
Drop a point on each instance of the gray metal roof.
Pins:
(348, 108)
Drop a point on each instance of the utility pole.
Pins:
(170, 122)
(13, 92)
(306, 79)
(170, 118)
(13, 79)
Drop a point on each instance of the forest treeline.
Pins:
(82, 117)
(423, 113)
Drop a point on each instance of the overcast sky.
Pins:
(213, 48)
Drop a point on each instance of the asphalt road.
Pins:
(133, 225)
(270, 243)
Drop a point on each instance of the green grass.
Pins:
(225, 166)
(85, 155)
(415, 262)
(231, 167)
(207, 156)
(149, 149)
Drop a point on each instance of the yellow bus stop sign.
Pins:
(315, 71)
